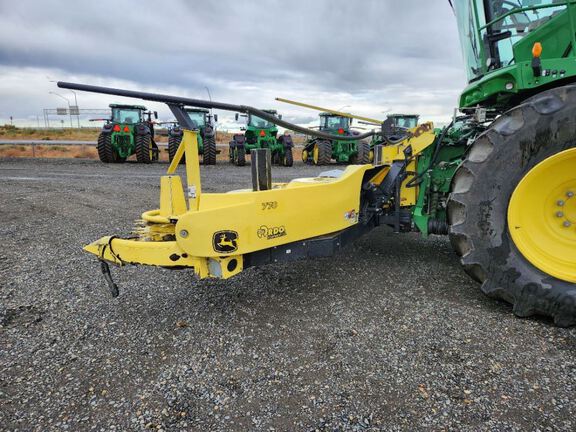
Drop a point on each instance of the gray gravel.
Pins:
(388, 335)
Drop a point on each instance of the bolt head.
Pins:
(567, 224)
(183, 233)
(569, 194)
(559, 214)
(559, 203)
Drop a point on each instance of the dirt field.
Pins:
(389, 335)
(48, 150)
(8, 132)
(84, 151)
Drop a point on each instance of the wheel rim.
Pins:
(315, 153)
(542, 216)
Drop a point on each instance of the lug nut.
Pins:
(567, 224)
(183, 233)
(559, 203)
(559, 214)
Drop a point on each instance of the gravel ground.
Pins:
(388, 335)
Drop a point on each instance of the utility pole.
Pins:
(68, 102)
(77, 109)
(209, 97)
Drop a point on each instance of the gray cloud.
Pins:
(369, 54)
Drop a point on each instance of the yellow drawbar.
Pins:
(215, 233)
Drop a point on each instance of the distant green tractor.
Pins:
(129, 131)
(203, 122)
(319, 151)
(260, 133)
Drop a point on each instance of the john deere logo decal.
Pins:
(225, 241)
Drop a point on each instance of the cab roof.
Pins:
(202, 110)
(403, 115)
(327, 114)
(141, 107)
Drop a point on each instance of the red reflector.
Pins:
(262, 133)
(126, 129)
(341, 131)
(116, 128)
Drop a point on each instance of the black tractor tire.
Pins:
(324, 153)
(144, 148)
(231, 157)
(155, 151)
(288, 157)
(106, 152)
(240, 156)
(362, 157)
(173, 144)
(481, 189)
(209, 156)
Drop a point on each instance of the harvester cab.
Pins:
(261, 133)
(395, 127)
(129, 130)
(321, 151)
(511, 47)
(403, 121)
(204, 122)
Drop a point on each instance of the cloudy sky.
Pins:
(372, 56)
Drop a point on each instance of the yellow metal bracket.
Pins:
(421, 138)
(189, 148)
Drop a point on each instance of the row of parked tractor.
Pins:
(130, 131)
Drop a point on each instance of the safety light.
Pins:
(116, 128)
(341, 131)
(537, 49)
(126, 129)
(536, 63)
(262, 133)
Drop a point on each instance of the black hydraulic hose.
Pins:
(416, 180)
(393, 142)
(177, 100)
(108, 277)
